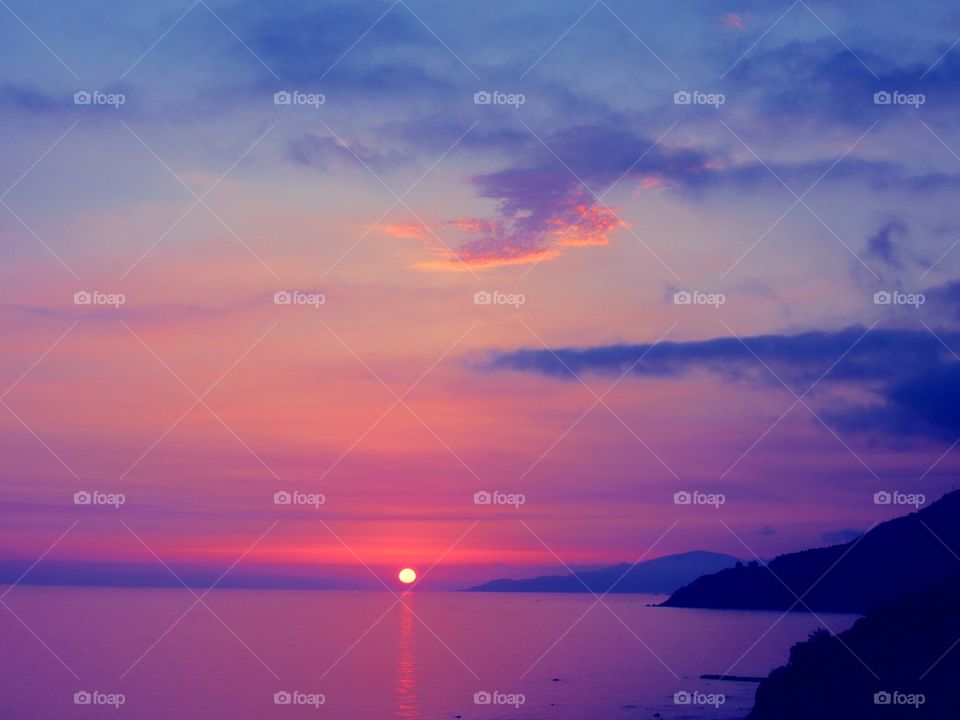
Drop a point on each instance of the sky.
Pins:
(585, 255)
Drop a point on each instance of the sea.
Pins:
(145, 653)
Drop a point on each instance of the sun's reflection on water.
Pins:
(406, 688)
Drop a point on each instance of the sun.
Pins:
(407, 575)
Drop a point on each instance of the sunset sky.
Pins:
(585, 196)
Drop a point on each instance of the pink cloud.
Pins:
(733, 20)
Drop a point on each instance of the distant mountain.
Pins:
(663, 575)
(897, 662)
(901, 555)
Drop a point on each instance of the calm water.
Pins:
(427, 661)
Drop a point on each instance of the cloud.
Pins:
(733, 21)
(408, 98)
(325, 153)
(516, 236)
(799, 358)
(29, 99)
(913, 376)
(542, 206)
(925, 402)
(546, 196)
(824, 80)
(880, 245)
(946, 296)
(394, 54)
(402, 87)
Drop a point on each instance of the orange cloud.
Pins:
(476, 243)
(452, 260)
(407, 231)
(590, 227)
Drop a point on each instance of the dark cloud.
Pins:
(924, 402)
(916, 379)
(881, 244)
(880, 355)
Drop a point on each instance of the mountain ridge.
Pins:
(658, 576)
(896, 662)
(901, 555)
